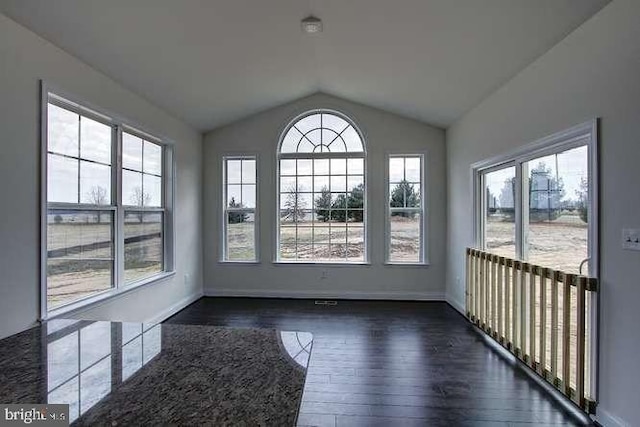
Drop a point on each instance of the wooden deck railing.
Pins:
(538, 314)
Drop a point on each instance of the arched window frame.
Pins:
(321, 154)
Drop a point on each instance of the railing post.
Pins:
(478, 286)
(566, 332)
(543, 322)
(467, 287)
(487, 292)
(494, 284)
(507, 304)
(482, 289)
(475, 286)
(532, 317)
(499, 285)
(515, 306)
(554, 325)
(580, 343)
(523, 310)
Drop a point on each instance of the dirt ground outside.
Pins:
(80, 261)
(561, 244)
(327, 241)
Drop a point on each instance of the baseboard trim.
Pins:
(299, 294)
(606, 419)
(170, 311)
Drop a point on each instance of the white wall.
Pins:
(383, 132)
(25, 59)
(595, 72)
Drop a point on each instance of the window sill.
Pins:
(93, 301)
(323, 263)
(407, 264)
(239, 262)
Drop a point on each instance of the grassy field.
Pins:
(80, 260)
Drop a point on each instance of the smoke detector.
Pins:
(311, 25)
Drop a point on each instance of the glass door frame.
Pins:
(584, 134)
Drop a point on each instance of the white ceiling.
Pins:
(215, 61)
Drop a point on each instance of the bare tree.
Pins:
(293, 205)
(97, 196)
(141, 199)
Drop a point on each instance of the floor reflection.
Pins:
(86, 359)
(141, 343)
(297, 345)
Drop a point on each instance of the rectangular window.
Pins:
(105, 216)
(143, 207)
(240, 190)
(405, 218)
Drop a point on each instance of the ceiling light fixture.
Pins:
(311, 25)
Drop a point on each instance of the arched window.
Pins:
(321, 190)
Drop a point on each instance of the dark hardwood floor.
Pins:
(392, 364)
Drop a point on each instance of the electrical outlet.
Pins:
(324, 274)
(187, 279)
(631, 239)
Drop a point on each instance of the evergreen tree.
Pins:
(404, 195)
(343, 205)
(356, 203)
(339, 208)
(323, 205)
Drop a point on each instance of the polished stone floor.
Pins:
(392, 364)
(132, 374)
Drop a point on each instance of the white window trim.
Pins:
(424, 229)
(276, 254)
(255, 211)
(561, 141)
(73, 103)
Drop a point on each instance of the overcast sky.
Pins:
(80, 161)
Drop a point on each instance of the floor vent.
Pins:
(325, 302)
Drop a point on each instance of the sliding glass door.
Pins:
(539, 208)
(539, 205)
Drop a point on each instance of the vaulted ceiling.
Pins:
(211, 62)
